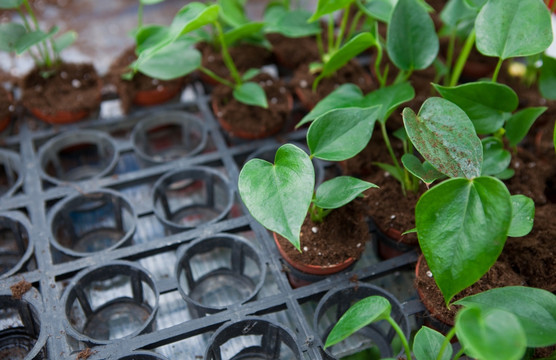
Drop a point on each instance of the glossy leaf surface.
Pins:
(484, 102)
(165, 66)
(278, 195)
(424, 171)
(325, 7)
(348, 51)
(459, 16)
(149, 35)
(251, 93)
(462, 227)
(339, 191)
(9, 36)
(340, 134)
(291, 23)
(427, 344)
(359, 315)
(346, 95)
(242, 32)
(519, 124)
(412, 42)
(233, 13)
(523, 214)
(495, 158)
(192, 17)
(389, 97)
(547, 78)
(380, 9)
(64, 41)
(33, 38)
(510, 28)
(445, 137)
(534, 308)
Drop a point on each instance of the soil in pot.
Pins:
(253, 122)
(287, 50)
(70, 93)
(341, 236)
(142, 90)
(352, 72)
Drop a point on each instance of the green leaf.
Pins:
(339, 191)
(346, 95)
(233, 13)
(462, 226)
(484, 102)
(397, 173)
(150, 2)
(251, 93)
(390, 97)
(547, 78)
(10, 4)
(445, 136)
(148, 36)
(241, 32)
(523, 214)
(64, 41)
(519, 124)
(506, 174)
(292, 24)
(490, 334)
(359, 315)
(425, 171)
(348, 51)
(534, 308)
(192, 17)
(278, 196)
(380, 9)
(459, 16)
(33, 38)
(495, 158)
(411, 41)
(427, 344)
(249, 74)
(510, 28)
(475, 4)
(325, 7)
(166, 65)
(342, 133)
(10, 33)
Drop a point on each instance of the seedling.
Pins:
(280, 195)
(28, 37)
(463, 222)
(496, 324)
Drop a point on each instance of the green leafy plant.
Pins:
(280, 195)
(167, 52)
(496, 324)
(28, 37)
(463, 222)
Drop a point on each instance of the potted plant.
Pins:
(53, 91)
(282, 197)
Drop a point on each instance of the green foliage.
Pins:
(346, 95)
(251, 93)
(165, 65)
(411, 40)
(65, 40)
(496, 159)
(348, 51)
(380, 9)
(518, 125)
(325, 7)
(339, 191)
(292, 23)
(523, 213)
(547, 78)
(10, 4)
(10, 33)
(459, 17)
(427, 345)
(424, 171)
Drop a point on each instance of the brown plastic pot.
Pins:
(160, 95)
(390, 243)
(4, 123)
(60, 117)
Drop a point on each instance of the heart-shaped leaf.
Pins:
(534, 308)
(64, 41)
(278, 195)
(425, 171)
(380, 9)
(462, 226)
(165, 65)
(495, 158)
(459, 16)
(150, 35)
(325, 7)
(547, 78)
(251, 93)
(510, 28)
(347, 52)
(490, 334)
(390, 97)
(192, 17)
(33, 38)
(233, 13)
(241, 32)
(523, 213)
(484, 102)
(359, 315)
(346, 95)
(427, 344)
(292, 24)
(339, 191)
(10, 33)
(519, 124)
(340, 134)
(411, 41)
(10, 4)
(446, 138)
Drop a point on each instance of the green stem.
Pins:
(459, 354)
(140, 15)
(401, 335)
(320, 46)
(462, 58)
(353, 26)
(446, 342)
(497, 70)
(343, 26)
(330, 34)
(36, 23)
(381, 77)
(403, 76)
(450, 57)
(216, 77)
(228, 61)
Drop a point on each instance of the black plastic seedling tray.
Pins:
(181, 267)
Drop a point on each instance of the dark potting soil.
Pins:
(255, 119)
(352, 72)
(342, 235)
(293, 52)
(70, 87)
(532, 175)
(499, 275)
(128, 89)
(245, 57)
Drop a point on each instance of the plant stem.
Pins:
(459, 354)
(330, 34)
(353, 26)
(497, 69)
(216, 77)
(228, 61)
(401, 335)
(446, 342)
(343, 26)
(462, 58)
(450, 57)
(381, 77)
(403, 76)
(320, 45)
(46, 55)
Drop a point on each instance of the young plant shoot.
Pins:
(280, 195)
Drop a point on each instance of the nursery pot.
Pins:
(390, 242)
(157, 96)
